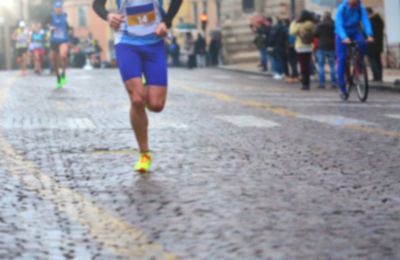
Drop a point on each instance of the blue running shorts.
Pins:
(136, 60)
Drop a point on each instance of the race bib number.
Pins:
(140, 15)
(59, 33)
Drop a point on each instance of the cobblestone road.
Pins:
(244, 168)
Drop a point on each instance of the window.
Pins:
(218, 10)
(82, 16)
(205, 7)
(248, 6)
(195, 13)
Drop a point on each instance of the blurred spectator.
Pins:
(189, 49)
(201, 51)
(174, 51)
(260, 41)
(325, 33)
(303, 29)
(79, 58)
(215, 48)
(270, 43)
(97, 54)
(291, 56)
(375, 49)
(280, 43)
(90, 48)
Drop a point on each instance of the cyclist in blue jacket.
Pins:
(349, 16)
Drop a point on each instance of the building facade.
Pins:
(212, 9)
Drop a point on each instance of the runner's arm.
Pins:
(99, 6)
(172, 11)
(48, 22)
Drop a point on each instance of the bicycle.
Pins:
(356, 73)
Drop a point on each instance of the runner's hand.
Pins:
(161, 30)
(346, 41)
(370, 39)
(115, 20)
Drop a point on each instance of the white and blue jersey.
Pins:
(141, 20)
(60, 34)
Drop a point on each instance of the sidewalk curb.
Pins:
(384, 86)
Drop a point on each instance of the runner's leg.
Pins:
(54, 61)
(37, 58)
(138, 116)
(63, 57)
(130, 67)
(156, 97)
(155, 71)
(24, 57)
(41, 53)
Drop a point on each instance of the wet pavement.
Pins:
(244, 168)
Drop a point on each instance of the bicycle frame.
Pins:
(353, 58)
(356, 72)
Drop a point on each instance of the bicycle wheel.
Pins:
(362, 84)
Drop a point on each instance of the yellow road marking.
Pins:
(247, 102)
(269, 88)
(279, 110)
(113, 234)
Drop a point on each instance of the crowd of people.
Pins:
(34, 44)
(197, 52)
(285, 46)
(33, 48)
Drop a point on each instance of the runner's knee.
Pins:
(156, 106)
(138, 102)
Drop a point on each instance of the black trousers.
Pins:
(292, 58)
(376, 65)
(304, 59)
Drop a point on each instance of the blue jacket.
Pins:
(348, 20)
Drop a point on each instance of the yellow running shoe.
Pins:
(144, 81)
(143, 165)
